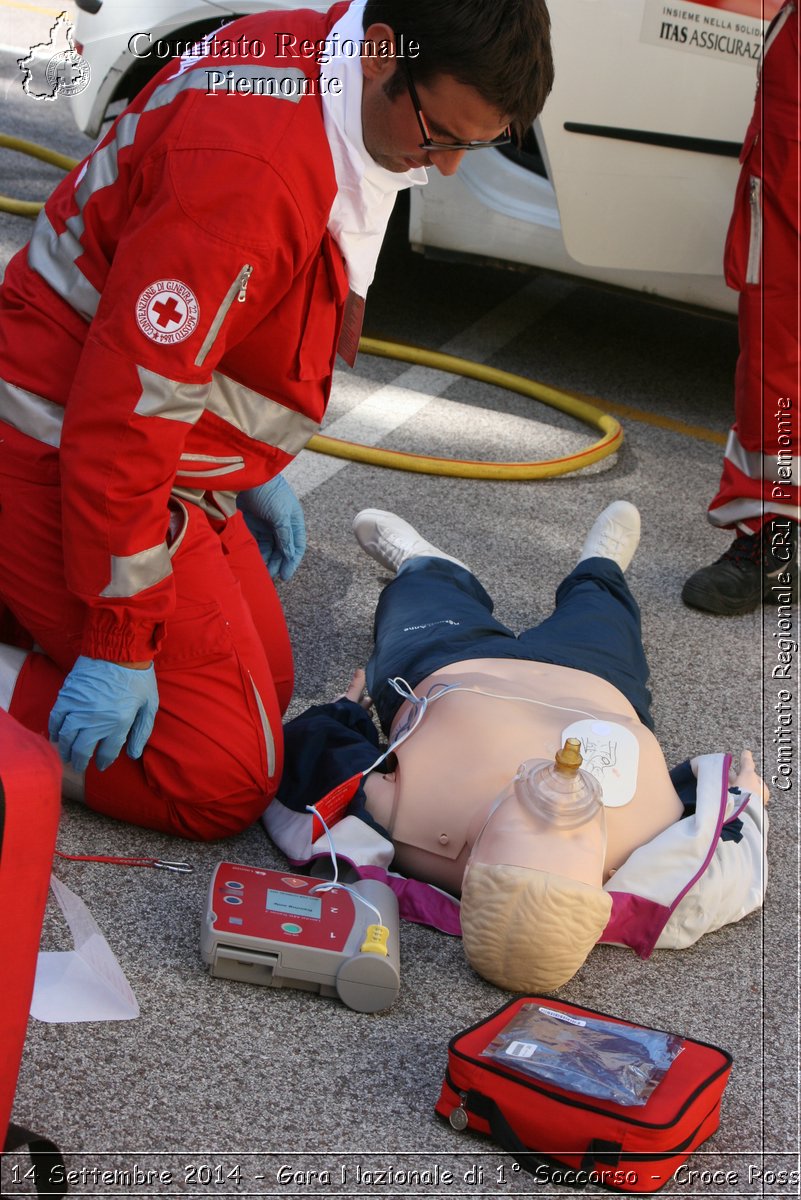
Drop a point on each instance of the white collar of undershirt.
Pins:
(366, 192)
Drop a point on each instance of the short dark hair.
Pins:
(502, 48)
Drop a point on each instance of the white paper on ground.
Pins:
(84, 984)
(611, 753)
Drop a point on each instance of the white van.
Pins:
(627, 178)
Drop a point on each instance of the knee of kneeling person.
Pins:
(220, 817)
(210, 798)
(202, 817)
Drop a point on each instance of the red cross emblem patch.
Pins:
(167, 311)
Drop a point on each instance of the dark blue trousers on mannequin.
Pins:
(435, 613)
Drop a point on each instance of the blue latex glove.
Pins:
(100, 705)
(274, 516)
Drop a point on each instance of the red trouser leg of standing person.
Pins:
(761, 469)
(224, 669)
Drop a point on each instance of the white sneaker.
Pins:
(615, 534)
(391, 541)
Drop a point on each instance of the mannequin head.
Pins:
(528, 930)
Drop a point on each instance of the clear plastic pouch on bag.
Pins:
(593, 1057)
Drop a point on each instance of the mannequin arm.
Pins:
(747, 779)
(357, 689)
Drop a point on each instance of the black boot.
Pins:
(756, 568)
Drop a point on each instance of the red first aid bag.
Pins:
(566, 1136)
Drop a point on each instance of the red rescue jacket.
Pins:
(172, 324)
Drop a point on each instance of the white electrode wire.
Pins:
(334, 883)
(438, 690)
(418, 711)
(404, 689)
(460, 687)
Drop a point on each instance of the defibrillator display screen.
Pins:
(294, 904)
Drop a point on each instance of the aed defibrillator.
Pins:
(279, 929)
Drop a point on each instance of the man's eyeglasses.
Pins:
(429, 143)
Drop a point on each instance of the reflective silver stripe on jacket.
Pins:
(261, 419)
(42, 419)
(31, 414)
(737, 512)
(757, 465)
(214, 504)
(269, 741)
(134, 573)
(224, 464)
(53, 255)
(179, 523)
(162, 397)
(199, 75)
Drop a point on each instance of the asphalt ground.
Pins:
(241, 1081)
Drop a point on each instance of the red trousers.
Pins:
(224, 670)
(761, 468)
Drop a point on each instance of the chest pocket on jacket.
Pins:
(321, 319)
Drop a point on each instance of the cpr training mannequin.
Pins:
(530, 913)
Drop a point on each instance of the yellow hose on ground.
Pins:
(469, 468)
(397, 459)
(30, 208)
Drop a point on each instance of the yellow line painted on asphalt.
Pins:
(51, 12)
(699, 432)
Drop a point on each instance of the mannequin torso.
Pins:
(468, 746)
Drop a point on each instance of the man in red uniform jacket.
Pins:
(759, 487)
(167, 340)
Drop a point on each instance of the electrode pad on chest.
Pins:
(611, 753)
